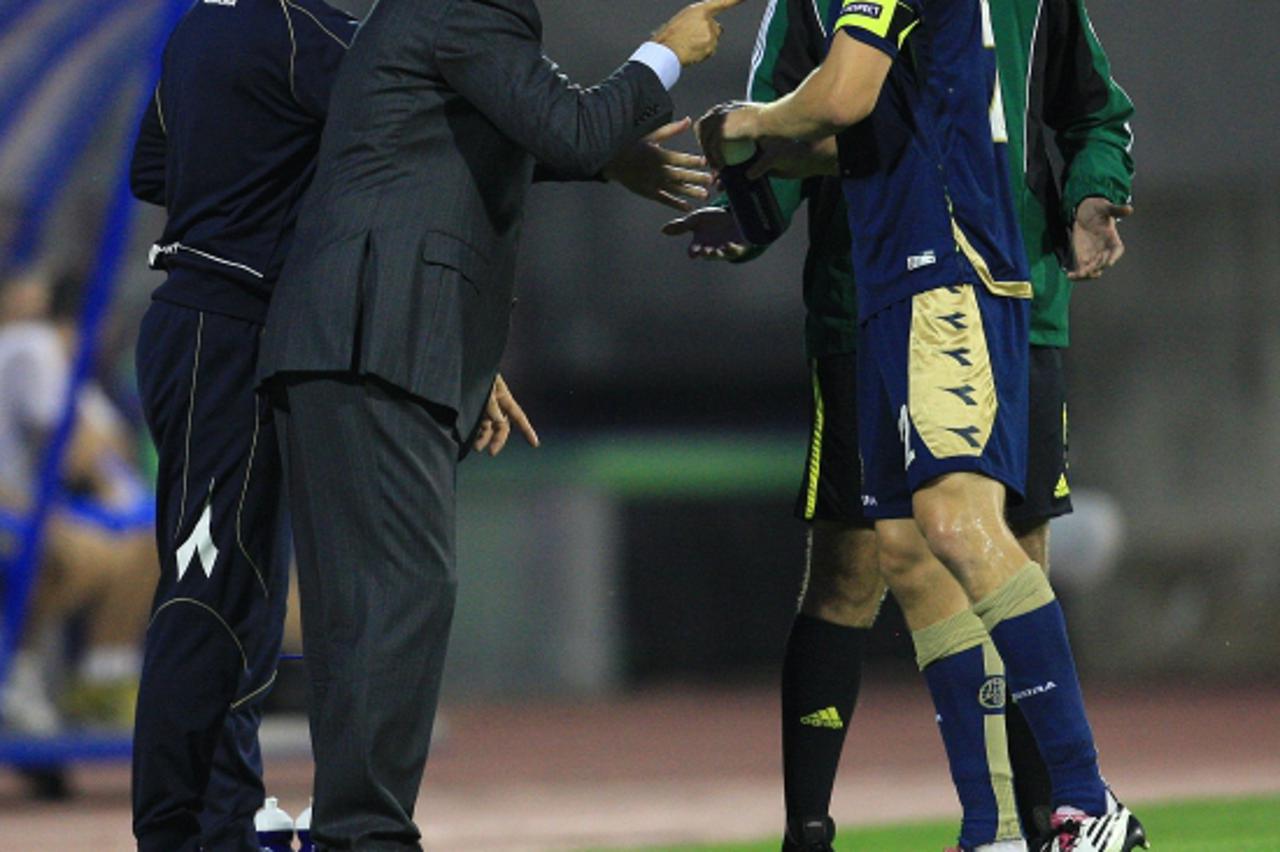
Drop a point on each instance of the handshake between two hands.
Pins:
(682, 181)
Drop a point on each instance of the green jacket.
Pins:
(1059, 100)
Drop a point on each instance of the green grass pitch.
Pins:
(1211, 825)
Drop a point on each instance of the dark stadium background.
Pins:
(649, 544)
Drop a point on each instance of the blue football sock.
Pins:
(966, 680)
(1028, 628)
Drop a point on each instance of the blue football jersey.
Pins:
(925, 174)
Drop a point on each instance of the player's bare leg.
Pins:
(821, 673)
(966, 680)
(962, 517)
(842, 584)
(106, 576)
(1033, 538)
(922, 586)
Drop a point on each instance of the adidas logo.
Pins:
(1063, 489)
(828, 718)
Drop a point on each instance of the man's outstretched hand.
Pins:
(715, 234)
(499, 414)
(673, 178)
(1095, 237)
(694, 33)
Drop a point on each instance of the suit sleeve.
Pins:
(1088, 112)
(490, 52)
(321, 37)
(146, 172)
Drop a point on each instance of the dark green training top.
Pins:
(1059, 101)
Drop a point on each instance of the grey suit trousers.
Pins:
(371, 475)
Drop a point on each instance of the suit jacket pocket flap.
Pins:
(444, 249)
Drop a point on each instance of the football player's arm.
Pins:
(1088, 111)
(792, 43)
(146, 171)
(1090, 115)
(841, 92)
(867, 37)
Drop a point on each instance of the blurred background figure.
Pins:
(90, 600)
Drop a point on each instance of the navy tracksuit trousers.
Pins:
(213, 642)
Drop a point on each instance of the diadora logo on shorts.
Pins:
(869, 500)
(870, 10)
(220, 2)
(1035, 690)
(991, 694)
(920, 261)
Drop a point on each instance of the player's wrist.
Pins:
(743, 124)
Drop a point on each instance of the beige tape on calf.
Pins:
(1026, 591)
(960, 632)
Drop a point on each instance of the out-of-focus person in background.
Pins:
(1060, 95)
(93, 566)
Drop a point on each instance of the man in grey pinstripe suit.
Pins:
(384, 339)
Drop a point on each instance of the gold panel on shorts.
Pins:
(950, 387)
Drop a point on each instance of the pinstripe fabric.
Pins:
(437, 118)
(376, 573)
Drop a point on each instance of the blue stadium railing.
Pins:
(18, 571)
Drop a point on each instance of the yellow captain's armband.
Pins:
(891, 20)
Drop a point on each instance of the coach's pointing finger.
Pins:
(694, 33)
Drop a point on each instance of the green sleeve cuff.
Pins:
(1080, 187)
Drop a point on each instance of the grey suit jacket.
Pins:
(403, 264)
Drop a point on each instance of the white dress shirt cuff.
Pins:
(662, 60)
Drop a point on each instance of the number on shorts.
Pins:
(904, 430)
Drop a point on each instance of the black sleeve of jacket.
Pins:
(490, 52)
(546, 174)
(146, 172)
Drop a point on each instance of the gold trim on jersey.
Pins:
(1011, 289)
(951, 388)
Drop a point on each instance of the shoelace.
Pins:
(1066, 828)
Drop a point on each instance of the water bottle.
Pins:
(274, 827)
(753, 203)
(304, 830)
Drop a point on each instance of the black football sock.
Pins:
(821, 673)
(1032, 786)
